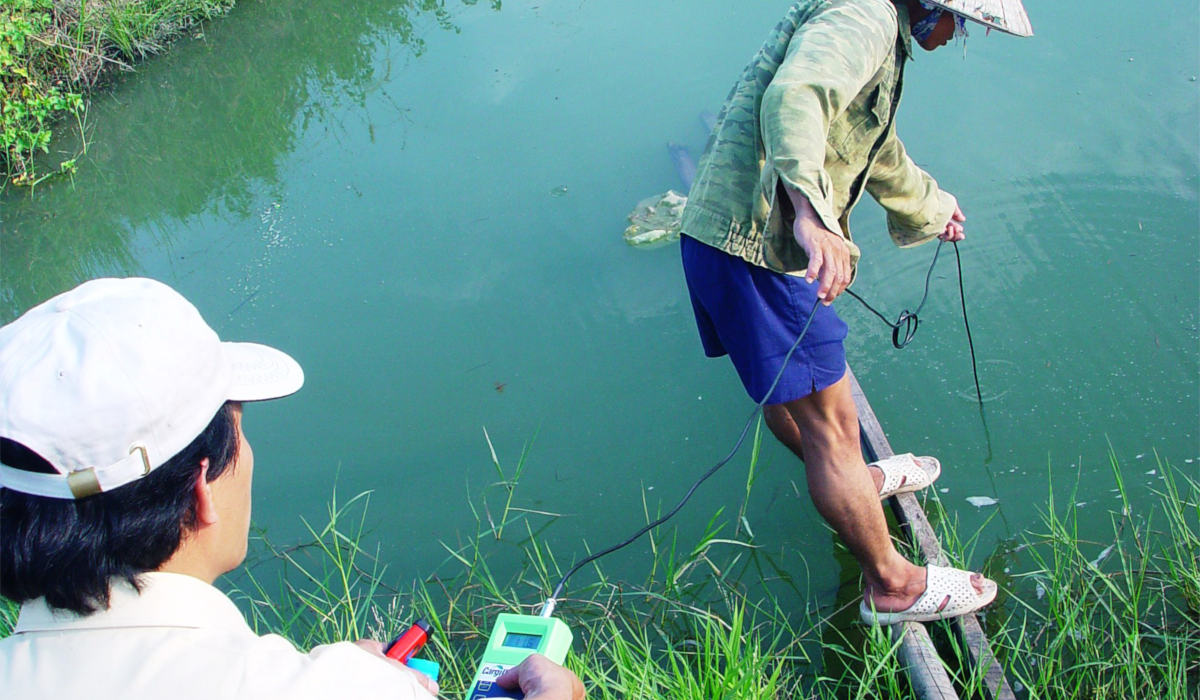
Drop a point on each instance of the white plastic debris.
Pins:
(981, 501)
(1103, 555)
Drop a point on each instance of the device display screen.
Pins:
(522, 641)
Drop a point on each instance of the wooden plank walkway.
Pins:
(926, 672)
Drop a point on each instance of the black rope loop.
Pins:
(906, 324)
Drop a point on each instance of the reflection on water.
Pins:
(206, 127)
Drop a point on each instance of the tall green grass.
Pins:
(1114, 618)
(1111, 618)
(8, 616)
(1079, 617)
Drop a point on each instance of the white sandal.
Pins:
(948, 593)
(906, 473)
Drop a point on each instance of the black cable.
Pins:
(715, 468)
(962, 295)
(907, 322)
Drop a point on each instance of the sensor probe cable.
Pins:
(906, 325)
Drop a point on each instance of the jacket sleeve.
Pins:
(273, 668)
(829, 60)
(917, 209)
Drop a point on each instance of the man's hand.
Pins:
(828, 254)
(375, 648)
(954, 228)
(540, 678)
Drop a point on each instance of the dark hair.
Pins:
(69, 551)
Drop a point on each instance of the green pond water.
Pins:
(423, 203)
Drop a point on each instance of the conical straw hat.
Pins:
(1007, 16)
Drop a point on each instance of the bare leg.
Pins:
(785, 430)
(822, 429)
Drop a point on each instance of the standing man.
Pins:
(808, 127)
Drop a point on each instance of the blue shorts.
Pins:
(754, 315)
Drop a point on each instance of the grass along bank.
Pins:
(52, 52)
(1080, 615)
(1111, 617)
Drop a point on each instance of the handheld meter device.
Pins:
(514, 637)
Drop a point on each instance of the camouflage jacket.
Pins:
(814, 110)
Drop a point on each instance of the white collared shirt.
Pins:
(180, 639)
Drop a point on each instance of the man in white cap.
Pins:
(125, 492)
(809, 128)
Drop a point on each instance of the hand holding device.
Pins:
(421, 675)
(514, 639)
(403, 647)
(541, 679)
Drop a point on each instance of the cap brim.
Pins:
(261, 373)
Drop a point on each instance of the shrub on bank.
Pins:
(53, 51)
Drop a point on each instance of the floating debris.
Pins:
(655, 220)
(944, 490)
(1141, 455)
(981, 501)
(1103, 555)
(1152, 472)
(560, 191)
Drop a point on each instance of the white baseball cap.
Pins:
(112, 379)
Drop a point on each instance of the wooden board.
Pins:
(917, 529)
(924, 668)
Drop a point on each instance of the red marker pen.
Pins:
(409, 643)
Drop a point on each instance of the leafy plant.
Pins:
(31, 103)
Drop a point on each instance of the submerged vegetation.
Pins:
(54, 51)
(1117, 618)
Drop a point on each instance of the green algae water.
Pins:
(423, 203)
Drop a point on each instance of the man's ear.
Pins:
(206, 505)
